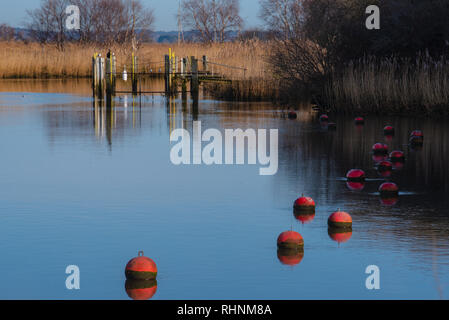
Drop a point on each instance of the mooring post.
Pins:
(111, 74)
(183, 78)
(134, 74)
(176, 65)
(94, 74)
(181, 67)
(205, 66)
(108, 76)
(100, 66)
(114, 73)
(194, 83)
(167, 74)
(184, 66)
(173, 73)
(189, 65)
(170, 71)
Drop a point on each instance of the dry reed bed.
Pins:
(393, 85)
(19, 60)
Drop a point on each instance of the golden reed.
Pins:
(20, 60)
(392, 85)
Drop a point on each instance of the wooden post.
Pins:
(188, 65)
(108, 76)
(98, 74)
(194, 84)
(135, 70)
(184, 66)
(176, 65)
(170, 71)
(167, 74)
(94, 75)
(205, 66)
(114, 73)
(183, 79)
(181, 66)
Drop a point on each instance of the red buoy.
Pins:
(385, 169)
(290, 257)
(141, 289)
(389, 131)
(290, 240)
(141, 268)
(338, 235)
(397, 156)
(359, 120)
(388, 190)
(292, 115)
(356, 175)
(385, 166)
(355, 186)
(340, 220)
(380, 148)
(417, 133)
(324, 118)
(417, 138)
(304, 205)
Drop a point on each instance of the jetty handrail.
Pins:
(227, 66)
(177, 72)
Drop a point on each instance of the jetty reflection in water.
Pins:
(83, 183)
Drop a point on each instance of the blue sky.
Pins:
(13, 13)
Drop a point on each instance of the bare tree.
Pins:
(6, 32)
(300, 63)
(284, 17)
(213, 19)
(101, 21)
(90, 14)
(139, 21)
(47, 23)
(114, 21)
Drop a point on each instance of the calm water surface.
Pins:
(91, 187)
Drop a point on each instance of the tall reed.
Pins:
(391, 85)
(19, 60)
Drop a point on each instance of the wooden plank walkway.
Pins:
(177, 72)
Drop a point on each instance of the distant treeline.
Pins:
(100, 21)
(108, 22)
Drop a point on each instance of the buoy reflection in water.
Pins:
(290, 257)
(141, 289)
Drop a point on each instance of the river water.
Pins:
(84, 185)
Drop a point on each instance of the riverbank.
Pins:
(33, 61)
(392, 86)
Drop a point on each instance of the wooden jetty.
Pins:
(180, 73)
